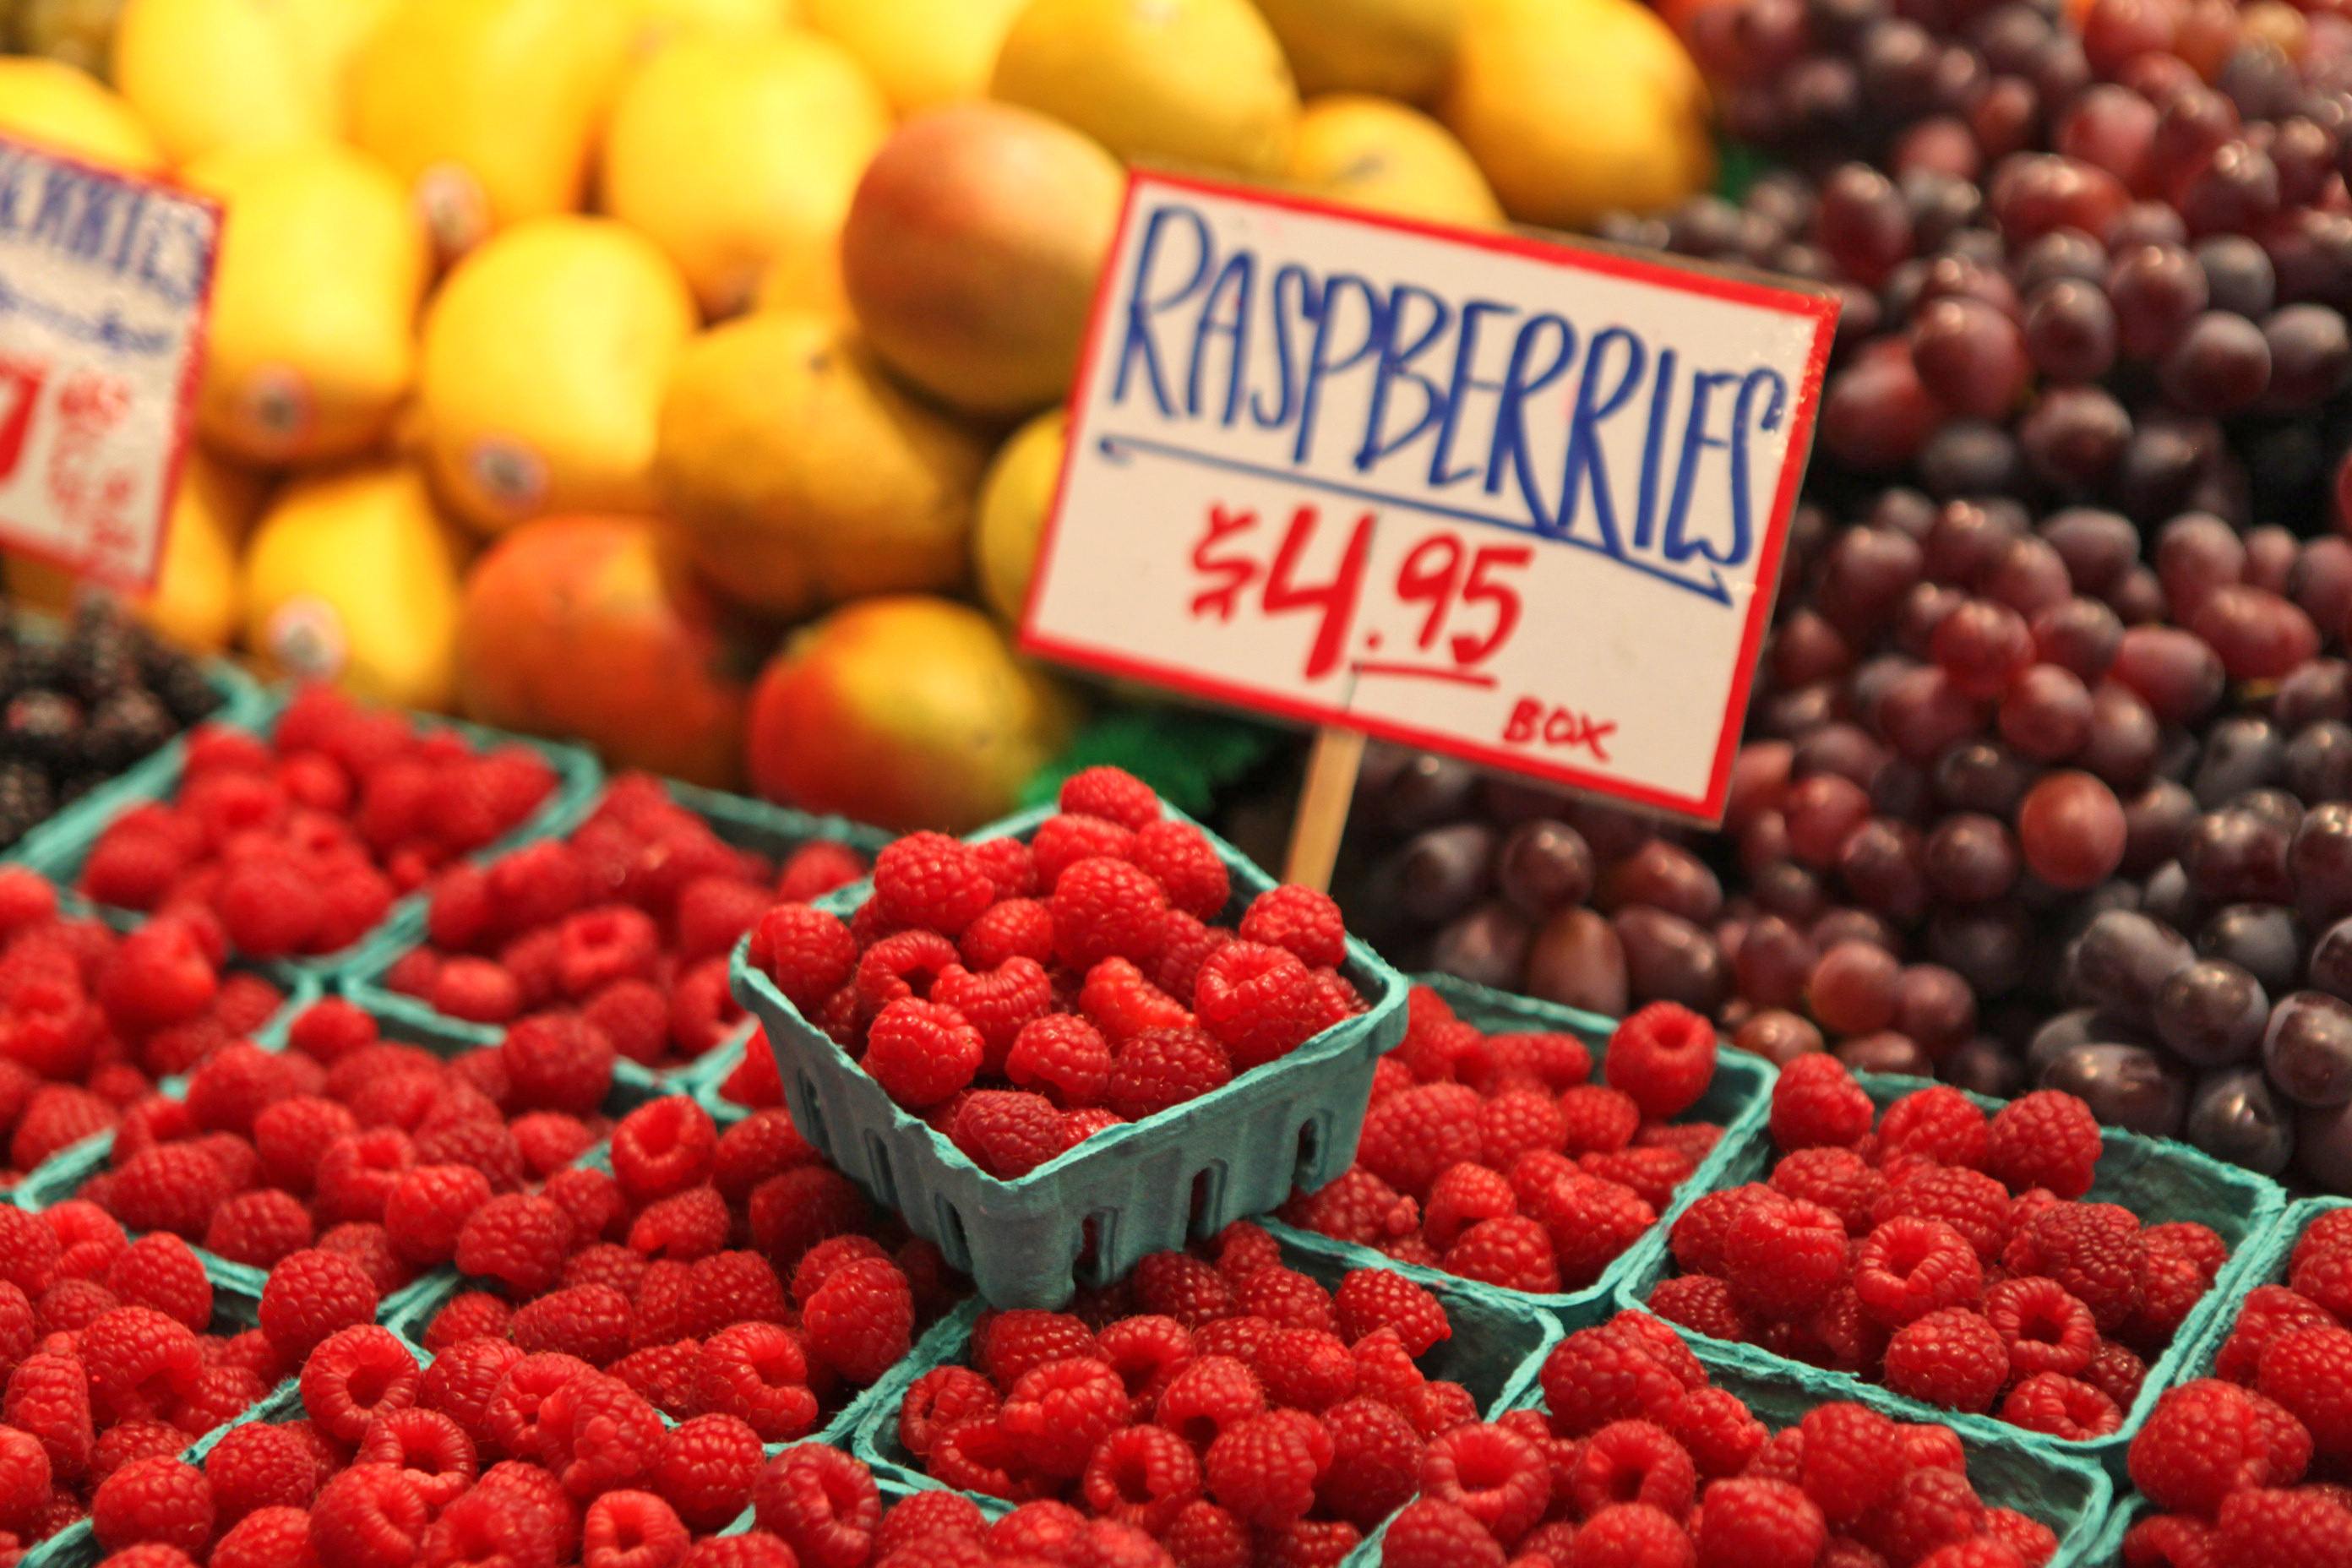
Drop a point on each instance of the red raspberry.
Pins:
(704, 1468)
(1061, 842)
(817, 868)
(257, 1465)
(1304, 1368)
(1260, 1002)
(2170, 1286)
(2046, 1139)
(1017, 928)
(2268, 1524)
(1141, 1477)
(268, 1538)
(1664, 1055)
(476, 989)
(1164, 1067)
(2061, 1406)
(1591, 1223)
(943, 1398)
(1056, 1413)
(1301, 922)
(1837, 1179)
(558, 1062)
(463, 1381)
(590, 1321)
(712, 912)
(663, 1147)
(1634, 1534)
(1180, 858)
(1286, 1298)
(1007, 1132)
(664, 1374)
(792, 1212)
(1410, 1138)
(596, 947)
(1760, 1524)
(1105, 908)
(1940, 1124)
(997, 1002)
(860, 1322)
(258, 1228)
(1817, 1103)
(1600, 1119)
(1518, 1122)
(164, 1272)
(2309, 1370)
(823, 1504)
(517, 1238)
(517, 1406)
(1264, 1468)
(764, 1143)
(429, 1207)
(291, 1135)
(2092, 1249)
(1850, 1460)
(759, 1373)
(1376, 1457)
(1433, 1534)
(809, 953)
(1111, 794)
(598, 1434)
(355, 1375)
(1951, 1357)
(174, 1187)
(1505, 1481)
(922, 1052)
(2034, 1542)
(25, 1489)
(1908, 1267)
(2268, 1311)
(1931, 1507)
(57, 1117)
(1702, 1303)
(160, 975)
(1514, 1253)
(1063, 1054)
(308, 1296)
(631, 1530)
(2043, 1328)
(1372, 1298)
(468, 1315)
(1117, 1000)
(548, 1141)
(1969, 1201)
(369, 1515)
(1783, 1260)
(684, 1227)
(427, 1448)
(159, 1500)
(931, 882)
(1462, 1196)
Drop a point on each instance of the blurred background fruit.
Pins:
(1397, 48)
(209, 74)
(924, 53)
(653, 23)
(79, 33)
(972, 250)
(1015, 499)
(1378, 155)
(57, 106)
(594, 628)
(926, 714)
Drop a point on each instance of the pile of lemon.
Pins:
(794, 285)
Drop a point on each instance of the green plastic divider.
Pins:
(1141, 1188)
(770, 830)
(2154, 1177)
(578, 778)
(1739, 1100)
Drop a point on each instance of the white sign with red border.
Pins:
(105, 287)
(1515, 500)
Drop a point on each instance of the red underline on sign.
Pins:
(1425, 672)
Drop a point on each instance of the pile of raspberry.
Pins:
(1023, 997)
(2252, 1466)
(1641, 1462)
(91, 1020)
(629, 922)
(755, 1083)
(539, 1462)
(269, 1153)
(1947, 1255)
(110, 1354)
(296, 844)
(1224, 1404)
(1494, 1157)
(712, 1274)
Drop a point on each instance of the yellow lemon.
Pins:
(653, 23)
(488, 109)
(923, 52)
(737, 152)
(544, 356)
(206, 74)
(352, 577)
(1576, 107)
(1376, 153)
(802, 474)
(1014, 497)
(69, 110)
(313, 343)
(1398, 48)
(1198, 83)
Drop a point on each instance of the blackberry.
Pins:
(40, 727)
(185, 691)
(26, 801)
(102, 654)
(125, 728)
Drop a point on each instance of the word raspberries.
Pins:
(297, 843)
(629, 923)
(1946, 1253)
(1022, 997)
(1494, 1157)
(1641, 1460)
(1212, 1399)
(2246, 1465)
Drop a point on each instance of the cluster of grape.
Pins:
(2044, 779)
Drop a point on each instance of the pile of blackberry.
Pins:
(81, 708)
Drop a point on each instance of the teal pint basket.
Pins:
(1740, 1100)
(772, 830)
(1141, 1187)
(60, 858)
(2153, 1177)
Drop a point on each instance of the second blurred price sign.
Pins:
(1519, 502)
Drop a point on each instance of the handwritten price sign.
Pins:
(1517, 502)
(104, 282)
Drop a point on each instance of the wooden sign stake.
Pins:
(1323, 804)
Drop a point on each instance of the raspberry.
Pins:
(792, 1212)
(1164, 1067)
(164, 1272)
(590, 1321)
(557, 1062)
(2046, 1139)
(1462, 1196)
(1264, 1468)
(1304, 1368)
(269, 1538)
(1105, 908)
(1208, 1397)
(1816, 1103)
(158, 975)
(932, 882)
(705, 1467)
(597, 1435)
(1940, 1124)
(464, 1380)
(943, 1397)
(1180, 858)
(1286, 1298)
(470, 1314)
(759, 1373)
(809, 953)
(1356, 1207)
(2034, 1542)
(355, 1375)
(24, 1491)
(1950, 1357)
(159, 1500)
(1591, 1223)
(631, 1530)
(1516, 1122)
(1698, 1233)
(1119, 1002)
(429, 1208)
(1852, 1459)
(518, 1239)
(57, 1116)
(2309, 1370)
(1143, 1476)
(1056, 1413)
(1969, 1201)
(1433, 1534)
(1599, 1120)
(1259, 1002)
(174, 1187)
(1112, 794)
(921, 1052)
(1760, 1524)
(664, 1374)
(1837, 1179)
(257, 1465)
(2092, 1249)
(1064, 1055)
(258, 1228)
(1784, 1260)
(1908, 1267)
(1664, 1056)
(1635, 1535)
(1625, 1461)
(1410, 1138)
(683, 1226)
(2061, 1406)
(1017, 928)
(1600, 1375)
(2043, 1328)
(2268, 1524)
(823, 1504)
(1301, 922)
(1007, 1132)
(309, 1295)
(1930, 1508)
(996, 1002)
(861, 1320)
(1375, 1464)
(817, 868)
(1370, 1299)
(1702, 1303)
(427, 1448)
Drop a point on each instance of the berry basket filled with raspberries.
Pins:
(303, 829)
(1096, 1029)
(1248, 1388)
(2000, 1266)
(628, 919)
(2245, 1462)
(1534, 1147)
(1645, 1450)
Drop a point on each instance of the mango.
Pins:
(1397, 48)
(208, 74)
(1378, 155)
(924, 53)
(66, 110)
(1015, 499)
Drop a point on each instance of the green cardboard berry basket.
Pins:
(1497, 1347)
(2155, 1178)
(578, 777)
(772, 830)
(1740, 1100)
(1142, 1187)
(2072, 1495)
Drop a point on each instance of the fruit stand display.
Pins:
(567, 995)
